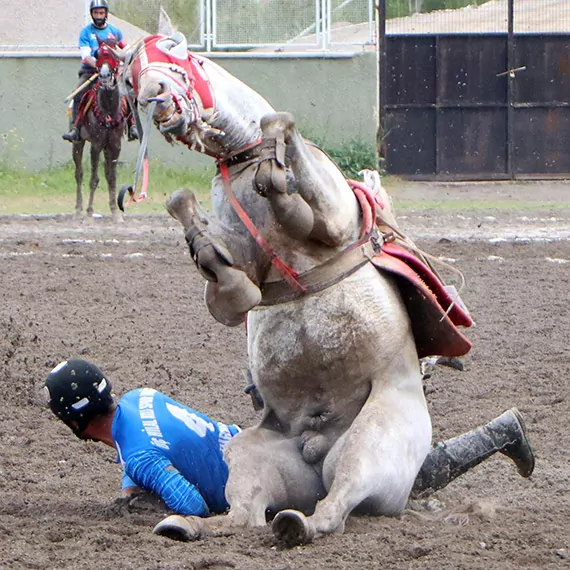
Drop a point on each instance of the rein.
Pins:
(294, 286)
(142, 167)
(288, 274)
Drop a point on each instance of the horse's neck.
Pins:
(109, 101)
(238, 108)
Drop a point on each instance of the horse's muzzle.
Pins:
(176, 126)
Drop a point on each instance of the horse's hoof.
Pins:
(178, 528)
(181, 205)
(292, 528)
(174, 128)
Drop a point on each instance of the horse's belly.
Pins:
(324, 352)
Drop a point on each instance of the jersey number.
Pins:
(192, 421)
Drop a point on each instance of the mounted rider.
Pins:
(89, 39)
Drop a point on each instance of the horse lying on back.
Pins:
(292, 248)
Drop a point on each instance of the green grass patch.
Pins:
(53, 191)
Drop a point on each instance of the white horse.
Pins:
(292, 248)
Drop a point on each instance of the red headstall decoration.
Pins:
(105, 55)
(194, 80)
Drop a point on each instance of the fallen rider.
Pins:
(163, 446)
(176, 452)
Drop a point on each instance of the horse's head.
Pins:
(108, 65)
(158, 70)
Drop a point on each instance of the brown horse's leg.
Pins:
(111, 152)
(78, 161)
(94, 181)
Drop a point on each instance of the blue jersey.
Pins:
(89, 34)
(173, 451)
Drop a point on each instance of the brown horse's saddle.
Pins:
(89, 102)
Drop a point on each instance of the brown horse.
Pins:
(103, 117)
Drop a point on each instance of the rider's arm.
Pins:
(154, 472)
(129, 487)
(89, 60)
(120, 39)
(85, 49)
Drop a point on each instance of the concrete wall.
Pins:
(333, 99)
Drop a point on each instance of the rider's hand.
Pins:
(90, 61)
(138, 502)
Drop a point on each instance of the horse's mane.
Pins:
(239, 108)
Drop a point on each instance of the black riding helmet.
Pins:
(77, 390)
(99, 22)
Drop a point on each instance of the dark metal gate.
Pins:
(475, 105)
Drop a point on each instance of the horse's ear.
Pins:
(126, 54)
(180, 48)
(165, 26)
(120, 54)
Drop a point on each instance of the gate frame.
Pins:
(511, 105)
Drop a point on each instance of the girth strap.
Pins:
(249, 152)
(325, 275)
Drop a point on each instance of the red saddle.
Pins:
(434, 324)
(434, 314)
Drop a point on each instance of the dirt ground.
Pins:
(129, 299)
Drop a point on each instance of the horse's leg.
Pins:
(111, 152)
(373, 465)
(316, 200)
(78, 161)
(230, 293)
(266, 474)
(94, 180)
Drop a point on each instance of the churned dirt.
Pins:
(128, 297)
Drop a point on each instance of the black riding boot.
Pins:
(451, 458)
(132, 131)
(73, 134)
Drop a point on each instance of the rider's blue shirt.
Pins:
(89, 34)
(173, 451)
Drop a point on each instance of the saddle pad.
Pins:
(427, 301)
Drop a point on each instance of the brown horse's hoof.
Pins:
(292, 528)
(176, 527)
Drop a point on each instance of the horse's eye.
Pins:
(128, 82)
